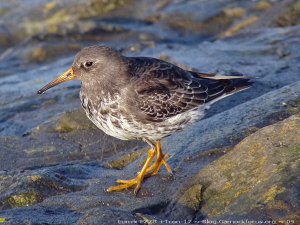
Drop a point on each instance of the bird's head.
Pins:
(91, 63)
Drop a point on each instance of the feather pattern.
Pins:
(165, 90)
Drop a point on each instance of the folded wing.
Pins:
(166, 90)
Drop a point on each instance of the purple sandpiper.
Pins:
(143, 98)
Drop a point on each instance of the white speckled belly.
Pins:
(108, 117)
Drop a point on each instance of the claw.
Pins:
(137, 181)
(146, 171)
(125, 184)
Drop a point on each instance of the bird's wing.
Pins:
(165, 90)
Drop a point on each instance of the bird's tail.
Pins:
(231, 84)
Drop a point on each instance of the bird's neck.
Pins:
(96, 90)
(101, 88)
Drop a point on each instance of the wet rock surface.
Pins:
(240, 162)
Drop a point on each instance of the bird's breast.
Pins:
(106, 114)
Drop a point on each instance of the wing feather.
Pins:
(165, 90)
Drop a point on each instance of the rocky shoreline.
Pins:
(240, 163)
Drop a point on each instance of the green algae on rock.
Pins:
(124, 160)
(258, 173)
(61, 19)
(72, 120)
(23, 199)
(258, 178)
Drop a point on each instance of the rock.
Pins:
(290, 17)
(100, 216)
(39, 215)
(281, 14)
(185, 204)
(46, 30)
(29, 188)
(62, 145)
(258, 178)
(73, 120)
(56, 165)
(260, 173)
(240, 26)
(263, 5)
(69, 137)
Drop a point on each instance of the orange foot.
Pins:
(160, 160)
(146, 171)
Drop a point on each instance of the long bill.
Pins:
(66, 76)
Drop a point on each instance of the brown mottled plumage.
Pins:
(143, 98)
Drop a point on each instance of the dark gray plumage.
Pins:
(166, 90)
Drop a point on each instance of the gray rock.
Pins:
(259, 176)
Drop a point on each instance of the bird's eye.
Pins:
(88, 64)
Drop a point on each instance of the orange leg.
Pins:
(160, 160)
(137, 181)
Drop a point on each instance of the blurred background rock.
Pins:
(37, 31)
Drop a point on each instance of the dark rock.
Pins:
(107, 217)
(70, 137)
(40, 215)
(185, 204)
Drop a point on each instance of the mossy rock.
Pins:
(23, 199)
(291, 16)
(258, 173)
(72, 120)
(64, 18)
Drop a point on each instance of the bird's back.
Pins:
(165, 90)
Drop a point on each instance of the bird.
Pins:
(143, 98)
